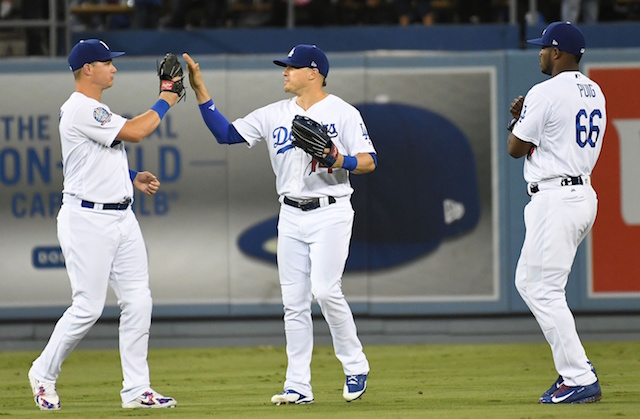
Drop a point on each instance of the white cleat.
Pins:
(291, 397)
(44, 394)
(150, 400)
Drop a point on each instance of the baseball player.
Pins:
(316, 216)
(98, 232)
(559, 127)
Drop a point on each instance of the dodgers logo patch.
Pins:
(331, 130)
(101, 115)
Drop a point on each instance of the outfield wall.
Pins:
(438, 225)
(448, 37)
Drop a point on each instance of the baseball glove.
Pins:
(313, 138)
(168, 70)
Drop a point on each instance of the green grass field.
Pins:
(418, 381)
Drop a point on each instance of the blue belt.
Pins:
(307, 204)
(120, 206)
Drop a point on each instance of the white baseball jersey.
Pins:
(565, 118)
(93, 170)
(301, 177)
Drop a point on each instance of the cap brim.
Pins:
(115, 54)
(537, 41)
(285, 63)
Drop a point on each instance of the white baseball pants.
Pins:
(101, 248)
(556, 220)
(312, 252)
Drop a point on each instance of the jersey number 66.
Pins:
(591, 136)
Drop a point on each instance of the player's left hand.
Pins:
(146, 183)
(516, 107)
(171, 75)
(312, 137)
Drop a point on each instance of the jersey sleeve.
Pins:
(356, 139)
(530, 125)
(99, 124)
(253, 126)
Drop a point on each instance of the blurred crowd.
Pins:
(188, 14)
(195, 14)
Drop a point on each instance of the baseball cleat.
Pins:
(44, 394)
(554, 387)
(291, 397)
(150, 400)
(575, 394)
(354, 387)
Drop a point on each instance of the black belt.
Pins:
(120, 206)
(307, 204)
(568, 181)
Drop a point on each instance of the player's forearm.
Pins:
(202, 95)
(359, 164)
(366, 164)
(136, 129)
(170, 97)
(516, 147)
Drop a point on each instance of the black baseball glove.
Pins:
(168, 70)
(313, 138)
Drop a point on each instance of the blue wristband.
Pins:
(350, 163)
(161, 107)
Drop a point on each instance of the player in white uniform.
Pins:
(316, 215)
(559, 126)
(98, 232)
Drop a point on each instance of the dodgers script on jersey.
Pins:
(88, 128)
(565, 118)
(301, 177)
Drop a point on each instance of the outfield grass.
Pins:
(417, 381)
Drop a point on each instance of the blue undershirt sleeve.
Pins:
(220, 127)
(132, 174)
(375, 158)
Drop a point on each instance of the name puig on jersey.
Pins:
(586, 90)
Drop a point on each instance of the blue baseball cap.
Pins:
(562, 35)
(88, 51)
(305, 55)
